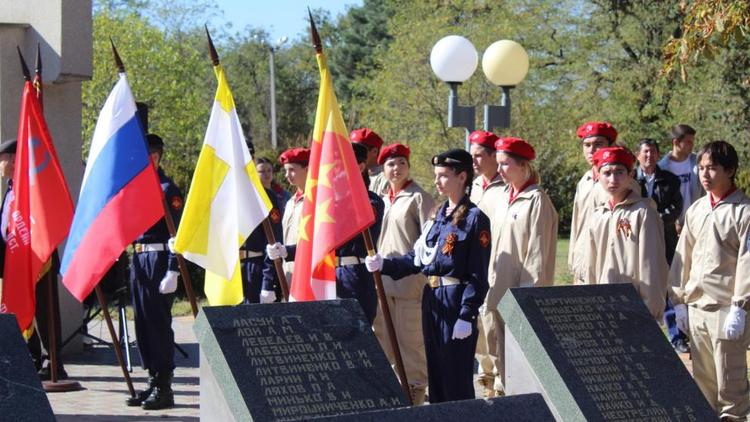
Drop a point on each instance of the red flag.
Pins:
(40, 210)
(336, 206)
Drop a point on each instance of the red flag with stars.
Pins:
(336, 206)
(40, 211)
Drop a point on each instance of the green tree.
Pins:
(169, 76)
(359, 36)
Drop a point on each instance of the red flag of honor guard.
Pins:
(39, 214)
(336, 206)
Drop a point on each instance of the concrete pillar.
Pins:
(63, 29)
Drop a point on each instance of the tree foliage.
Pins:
(708, 26)
(589, 60)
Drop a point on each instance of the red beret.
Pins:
(393, 150)
(295, 156)
(366, 136)
(613, 155)
(597, 129)
(485, 139)
(516, 146)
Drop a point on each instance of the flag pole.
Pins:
(214, 56)
(277, 262)
(383, 301)
(186, 281)
(48, 278)
(115, 340)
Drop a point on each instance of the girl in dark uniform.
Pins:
(453, 252)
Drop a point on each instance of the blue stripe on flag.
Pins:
(123, 157)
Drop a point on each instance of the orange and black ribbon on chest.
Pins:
(450, 243)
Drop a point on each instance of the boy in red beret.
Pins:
(367, 137)
(624, 238)
(589, 194)
(485, 194)
(593, 136)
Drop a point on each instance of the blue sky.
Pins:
(278, 17)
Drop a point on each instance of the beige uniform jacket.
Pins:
(589, 195)
(402, 225)
(711, 267)
(626, 245)
(290, 227)
(524, 241)
(486, 198)
(378, 183)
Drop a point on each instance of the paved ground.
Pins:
(105, 391)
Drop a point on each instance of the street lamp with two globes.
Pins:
(505, 64)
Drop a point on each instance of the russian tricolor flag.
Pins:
(120, 195)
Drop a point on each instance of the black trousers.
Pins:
(152, 311)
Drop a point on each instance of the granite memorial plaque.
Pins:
(291, 361)
(22, 397)
(520, 408)
(595, 353)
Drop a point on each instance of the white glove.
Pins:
(276, 251)
(461, 330)
(267, 296)
(681, 318)
(374, 263)
(170, 245)
(734, 325)
(169, 283)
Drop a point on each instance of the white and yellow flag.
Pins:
(226, 201)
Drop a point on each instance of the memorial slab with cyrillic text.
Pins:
(292, 361)
(519, 408)
(22, 397)
(595, 353)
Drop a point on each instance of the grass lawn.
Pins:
(562, 275)
(181, 307)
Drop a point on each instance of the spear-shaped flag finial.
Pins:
(211, 49)
(118, 61)
(314, 36)
(24, 68)
(38, 66)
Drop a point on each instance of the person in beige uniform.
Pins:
(407, 208)
(524, 238)
(593, 135)
(295, 162)
(625, 235)
(589, 193)
(373, 142)
(488, 184)
(710, 279)
(485, 194)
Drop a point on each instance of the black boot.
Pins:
(142, 395)
(161, 397)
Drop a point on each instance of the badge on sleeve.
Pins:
(176, 202)
(484, 238)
